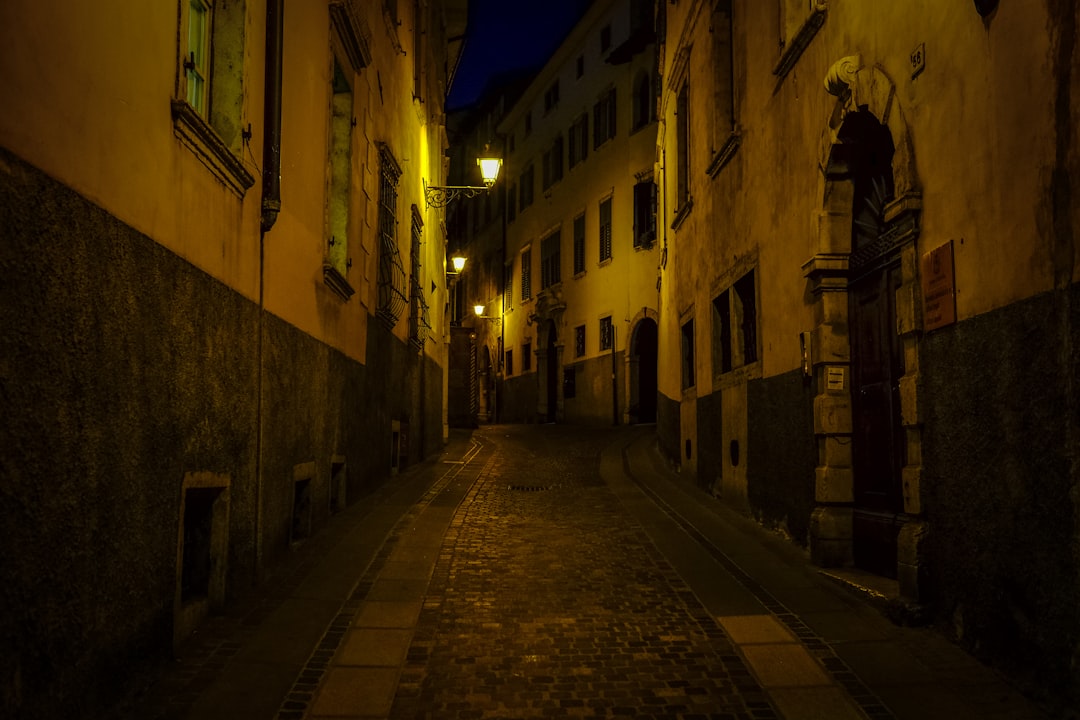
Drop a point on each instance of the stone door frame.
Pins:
(867, 88)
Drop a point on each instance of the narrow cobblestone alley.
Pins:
(547, 601)
(553, 571)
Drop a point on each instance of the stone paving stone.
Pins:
(356, 692)
(374, 646)
(553, 602)
(750, 629)
(815, 703)
(784, 665)
(399, 614)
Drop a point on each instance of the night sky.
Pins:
(507, 35)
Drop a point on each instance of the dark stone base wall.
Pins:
(122, 368)
(668, 426)
(781, 453)
(517, 399)
(1000, 439)
(592, 403)
(710, 447)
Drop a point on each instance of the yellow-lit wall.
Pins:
(85, 97)
(623, 287)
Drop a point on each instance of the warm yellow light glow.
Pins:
(489, 168)
(478, 309)
(458, 261)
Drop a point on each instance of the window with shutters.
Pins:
(605, 230)
(579, 244)
(644, 214)
(682, 141)
(723, 137)
(526, 275)
(207, 105)
(735, 321)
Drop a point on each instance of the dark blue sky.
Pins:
(506, 35)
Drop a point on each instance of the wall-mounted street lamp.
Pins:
(439, 196)
(458, 263)
(479, 310)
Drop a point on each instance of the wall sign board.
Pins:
(938, 288)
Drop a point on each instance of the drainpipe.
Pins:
(271, 204)
(271, 195)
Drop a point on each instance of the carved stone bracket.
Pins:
(841, 76)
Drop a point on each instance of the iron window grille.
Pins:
(391, 281)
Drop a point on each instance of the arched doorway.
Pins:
(643, 387)
(877, 359)
(864, 350)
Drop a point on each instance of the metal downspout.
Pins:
(271, 204)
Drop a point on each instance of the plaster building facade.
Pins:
(868, 304)
(222, 297)
(578, 301)
(476, 231)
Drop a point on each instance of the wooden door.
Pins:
(878, 441)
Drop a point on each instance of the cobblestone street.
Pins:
(554, 571)
(547, 599)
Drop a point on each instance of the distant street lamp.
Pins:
(439, 196)
(479, 310)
